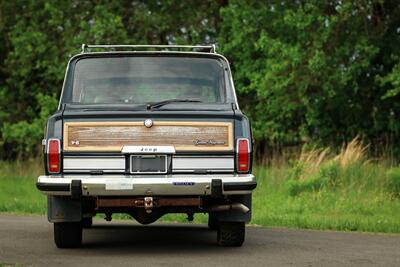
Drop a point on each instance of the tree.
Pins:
(41, 35)
(316, 71)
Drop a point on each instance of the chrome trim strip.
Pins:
(89, 171)
(203, 156)
(94, 156)
(94, 163)
(204, 163)
(208, 171)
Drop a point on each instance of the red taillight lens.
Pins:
(53, 154)
(243, 155)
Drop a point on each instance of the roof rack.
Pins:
(200, 48)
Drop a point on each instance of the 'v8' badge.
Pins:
(75, 142)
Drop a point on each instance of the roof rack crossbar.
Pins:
(210, 48)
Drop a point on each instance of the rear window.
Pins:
(118, 80)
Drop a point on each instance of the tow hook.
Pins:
(148, 204)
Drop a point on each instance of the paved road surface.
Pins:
(28, 240)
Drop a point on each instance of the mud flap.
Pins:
(64, 209)
(236, 216)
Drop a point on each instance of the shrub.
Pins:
(319, 168)
(25, 136)
(328, 176)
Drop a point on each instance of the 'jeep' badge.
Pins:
(148, 123)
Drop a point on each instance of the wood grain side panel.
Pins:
(112, 136)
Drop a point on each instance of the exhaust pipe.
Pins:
(227, 207)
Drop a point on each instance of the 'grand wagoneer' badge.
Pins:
(208, 142)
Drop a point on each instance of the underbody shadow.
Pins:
(149, 238)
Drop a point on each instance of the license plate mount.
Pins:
(148, 164)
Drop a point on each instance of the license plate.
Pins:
(118, 185)
(149, 164)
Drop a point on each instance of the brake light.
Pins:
(53, 155)
(243, 155)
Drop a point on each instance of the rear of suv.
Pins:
(146, 131)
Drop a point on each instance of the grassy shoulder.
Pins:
(18, 193)
(361, 205)
(309, 193)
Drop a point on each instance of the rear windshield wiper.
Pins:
(165, 102)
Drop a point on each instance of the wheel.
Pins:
(87, 222)
(231, 234)
(212, 222)
(68, 234)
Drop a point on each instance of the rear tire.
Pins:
(87, 222)
(68, 234)
(231, 234)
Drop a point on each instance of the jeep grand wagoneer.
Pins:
(146, 131)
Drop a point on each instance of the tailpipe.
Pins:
(227, 207)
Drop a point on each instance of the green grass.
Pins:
(358, 197)
(359, 203)
(18, 193)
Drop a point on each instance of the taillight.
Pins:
(243, 155)
(53, 155)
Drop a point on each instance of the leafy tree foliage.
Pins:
(316, 71)
(39, 36)
(306, 71)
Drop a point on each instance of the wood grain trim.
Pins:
(67, 147)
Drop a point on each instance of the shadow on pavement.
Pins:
(149, 238)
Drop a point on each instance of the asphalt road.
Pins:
(28, 240)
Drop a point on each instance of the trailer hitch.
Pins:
(148, 204)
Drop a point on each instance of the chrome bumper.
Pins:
(157, 185)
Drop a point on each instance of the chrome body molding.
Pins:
(156, 185)
(83, 163)
(117, 164)
(192, 163)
